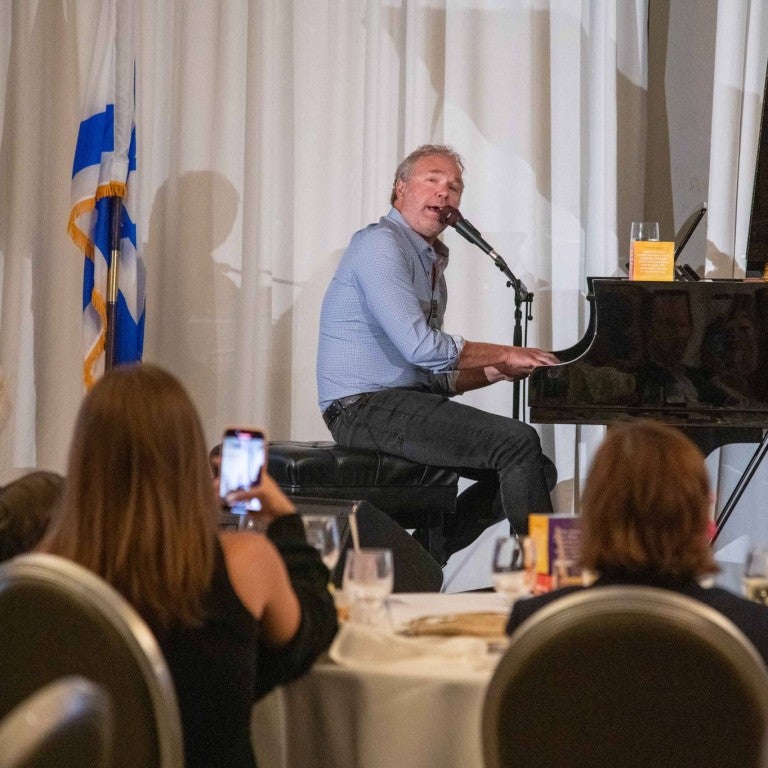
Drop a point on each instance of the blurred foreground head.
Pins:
(646, 504)
(26, 506)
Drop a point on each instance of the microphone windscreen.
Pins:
(450, 215)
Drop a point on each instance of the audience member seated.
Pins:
(236, 613)
(645, 519)
(25, 509)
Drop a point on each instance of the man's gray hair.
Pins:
(405, 169)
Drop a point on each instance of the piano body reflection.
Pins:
(686, 353)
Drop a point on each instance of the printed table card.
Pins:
(652, 260)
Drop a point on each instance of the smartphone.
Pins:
(243, 458)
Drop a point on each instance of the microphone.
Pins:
(452, 216)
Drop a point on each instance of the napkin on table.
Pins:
(361, 647)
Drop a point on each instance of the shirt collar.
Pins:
(418, 242)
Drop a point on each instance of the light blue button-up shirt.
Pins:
(382, 316)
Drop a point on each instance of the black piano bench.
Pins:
(414, 495)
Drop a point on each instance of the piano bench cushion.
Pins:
(414, 495)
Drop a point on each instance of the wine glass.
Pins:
(756, 575)
(323, 534)
(513, 567)
(367, 582)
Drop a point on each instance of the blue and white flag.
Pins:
(105, 167)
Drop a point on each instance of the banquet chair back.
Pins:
(631, 677)
(66, 723)
(60, 619)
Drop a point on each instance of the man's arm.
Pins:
(518, 360)
(511, 362)
(471, 378)
(475, 378)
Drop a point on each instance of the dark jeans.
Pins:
(502, 454)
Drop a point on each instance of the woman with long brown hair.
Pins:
(235, 613)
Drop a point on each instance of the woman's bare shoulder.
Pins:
(251, 561)
(240, 544)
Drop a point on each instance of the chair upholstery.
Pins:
(66, 723)
(414, 495)
(627, 676)
(59, 619)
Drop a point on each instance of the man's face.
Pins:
(434, 183)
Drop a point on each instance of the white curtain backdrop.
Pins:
(268, 132)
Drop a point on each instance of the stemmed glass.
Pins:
(367, 582)
(513, 567)
(323, 534)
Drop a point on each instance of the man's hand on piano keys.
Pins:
(520, 361)
(481, 363)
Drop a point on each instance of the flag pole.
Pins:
(113, 274)
(102, 220)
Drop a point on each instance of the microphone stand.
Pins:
(522, 296)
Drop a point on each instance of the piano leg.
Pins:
(747, 475)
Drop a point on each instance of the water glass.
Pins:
(367, 582)
(640, 230)
(756, 575)
(514, 567)
(322, 533)
(644, 230)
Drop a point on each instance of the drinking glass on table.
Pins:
(514, 567)
(322, 533)
(367, 582)
(756, 575)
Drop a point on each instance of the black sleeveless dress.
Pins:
(221, 668)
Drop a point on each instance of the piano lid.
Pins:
(687, 353)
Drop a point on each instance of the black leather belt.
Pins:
(330, 414)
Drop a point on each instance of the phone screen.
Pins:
(243, 454)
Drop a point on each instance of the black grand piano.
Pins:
(692, 352)
(686, 353)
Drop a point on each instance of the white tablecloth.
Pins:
(403, 712)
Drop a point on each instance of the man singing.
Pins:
(386, 369)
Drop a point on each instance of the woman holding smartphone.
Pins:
(235, 613)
